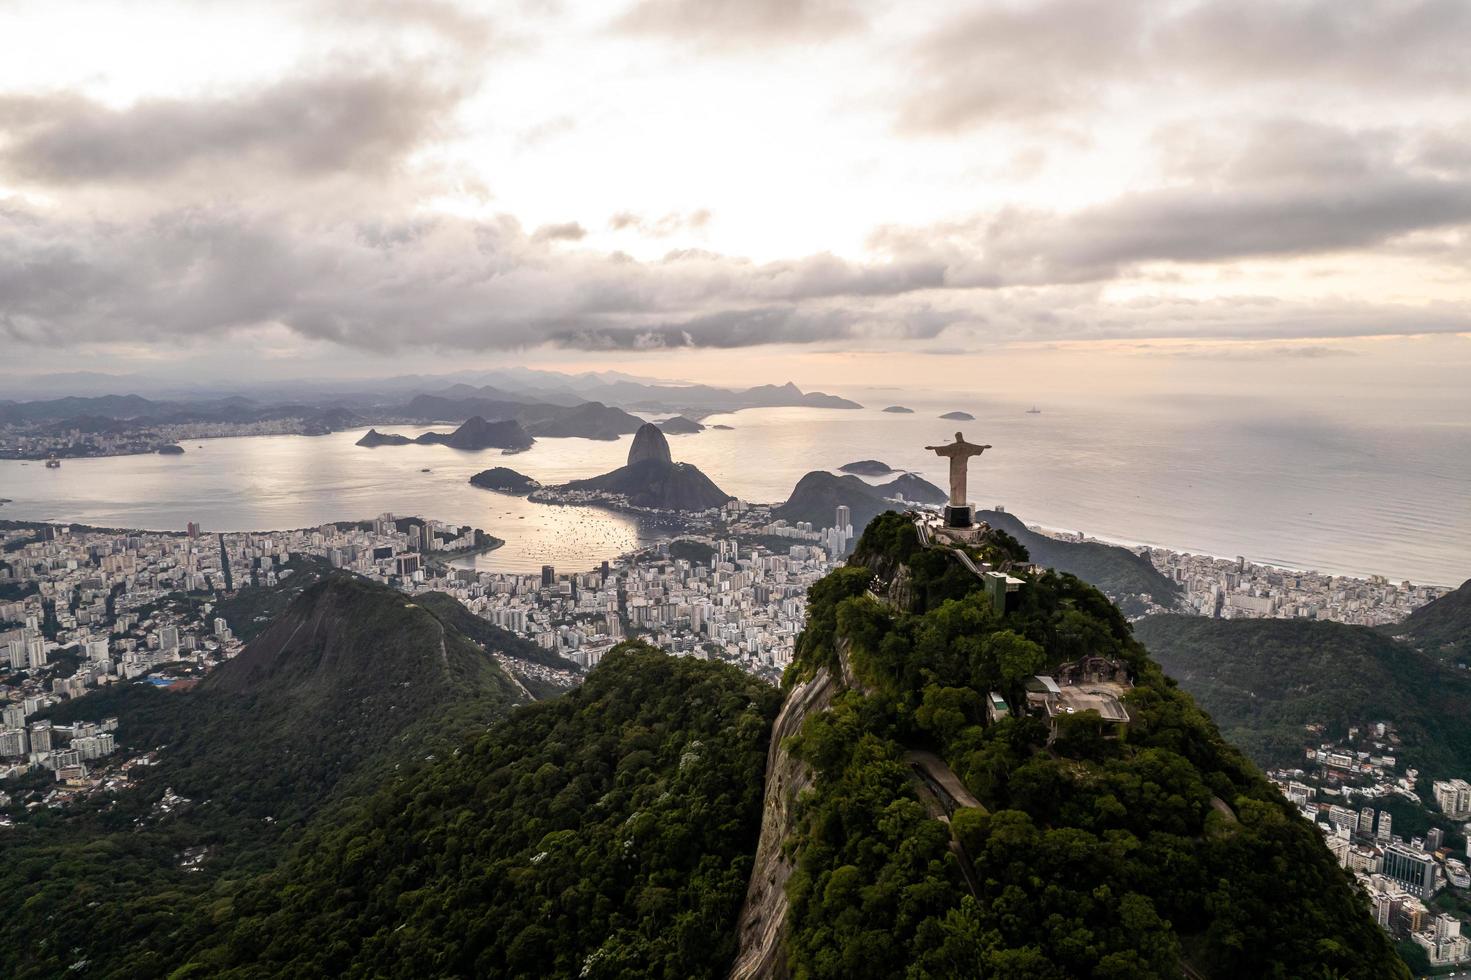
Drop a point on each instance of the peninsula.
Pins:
(373, 439)
(651, 480)
(504, 480)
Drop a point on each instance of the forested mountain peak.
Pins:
(346, 634)
(961, 816)
(606, 833)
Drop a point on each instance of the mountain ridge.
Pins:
(1441, 628)
(1264, 679)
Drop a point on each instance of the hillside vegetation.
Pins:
(1441, 628)
(1264, 679)
(368, 803)
(1116, 572)
(352, 681)
(1089, 856)
(604, 834)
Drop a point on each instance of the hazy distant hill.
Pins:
(867, 467)
(440, 408)
(1441, 628)
(1116, 572)
(680, 426)
(613, 389)
(122, 413)
(1264, 679)
(590, 420)
(476, 433)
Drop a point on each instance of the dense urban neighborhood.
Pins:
(1351, 789)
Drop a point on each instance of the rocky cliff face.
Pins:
(893, 581)
(649, 444)
(761, 929)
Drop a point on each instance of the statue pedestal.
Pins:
(958, 515)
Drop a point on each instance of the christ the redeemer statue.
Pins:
(957, 513)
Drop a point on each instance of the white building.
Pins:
(1453, 796)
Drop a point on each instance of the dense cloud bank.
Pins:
(314, 201)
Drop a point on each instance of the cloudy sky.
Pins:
(692, 187)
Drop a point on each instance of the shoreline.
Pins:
(655, 521)
(1055, 532)
(450, 557)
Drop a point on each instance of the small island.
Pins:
(959, 416)
(373, 438)
(680, 426)
(867, 467)
(899, 410)
(723, 428)
(171, 450)
(504, 480)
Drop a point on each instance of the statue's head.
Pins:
(959, 437)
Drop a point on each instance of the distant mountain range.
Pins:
(680, 426)
(523, 385)
(694, 401)
(121, 413)
(545, 404)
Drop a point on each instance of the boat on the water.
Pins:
(1034, 410)
(53, 463)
